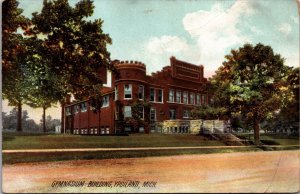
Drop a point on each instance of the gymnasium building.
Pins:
(134, 102)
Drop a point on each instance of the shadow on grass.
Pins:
(11, 158)
(7, 138)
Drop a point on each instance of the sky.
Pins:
(196, 31)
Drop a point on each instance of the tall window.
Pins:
(171, 95)
(116, 93)
(172, 114)
(105, 101)
(141, 112)
(141, 92)
(186, 114)
(198, 99)
(203, 99)
(178, 96)
(152, 95)
(77, 108)
(185, 97)
(127, 91)
(68, 111)
(83, 107)
(152, 114)
(127, 111)
(192, 98)
(160, 95)
(117, 113)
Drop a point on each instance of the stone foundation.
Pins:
(186, 126)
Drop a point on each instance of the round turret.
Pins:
(131, 70)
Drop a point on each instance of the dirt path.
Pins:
(276, 171)
(134, 148)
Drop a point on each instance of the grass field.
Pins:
(17, 141)
(11, 158)
(275, 139)
(41, 141)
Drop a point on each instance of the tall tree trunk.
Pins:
(19, 117)
(256, 131)
(62, 116)
(44, 119)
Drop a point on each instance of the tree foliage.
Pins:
(9, 121)
(288, 116)
(13, 56)
(12, 20)
(252, 82)
(208, 112)
(140, 115)
(44, 90)
(60, 52)
(74, 46)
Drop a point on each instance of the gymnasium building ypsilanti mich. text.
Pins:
(135, 102)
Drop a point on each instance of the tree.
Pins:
(140, 111)
(207, 112)
(10, 121)
(74, 46)
(44, 83)
(12, 20)
(50, 123)
(13, 55)
(288, 116)
(252, 82)
(291, 111)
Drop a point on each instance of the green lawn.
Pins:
(275, 139)
(44, 141)
(41, 141)
(11, 158)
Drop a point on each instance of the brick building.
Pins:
(136, 102)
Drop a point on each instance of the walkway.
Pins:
(134, 148)
(250, 172)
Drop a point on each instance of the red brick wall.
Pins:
(135, 73)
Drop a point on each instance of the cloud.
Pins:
(284, 28)
(256, 30)
(295, 19)
(216, 31)
(212, 33)
(169, 44)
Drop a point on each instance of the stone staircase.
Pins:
(226, 138)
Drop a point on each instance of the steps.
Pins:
(226, 138)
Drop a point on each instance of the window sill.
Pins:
(156, 102)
